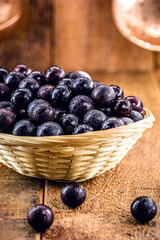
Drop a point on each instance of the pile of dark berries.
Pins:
(58, 103)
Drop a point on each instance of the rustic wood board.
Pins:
(105, 215)
(17, 194)
(85, 37)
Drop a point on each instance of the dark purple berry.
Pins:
(84, 74)
(22, 69)
(111, 123)
(13, 79)
(82, 128)
(40, 217)
(143, 209)
(7, 119)
(122, 107)
(135, 116)
(96, 84)
(103, 94)
(45, 92)
(60, 96)
(107, 111)
(68, 123)
(24, 128)
(49, 129)
(33, 104)
(38, 76)
(43, 112)
(94, 118)
(73, 194)
(54, 74)
(6, 104)
(135, 103)
(3, 73)
(82, 85)
(73, 75)
(60, 113)
(30, 83)
(4, 91)
(80, 105)
(21, 97)
(126, 120)
(65, 81)
(118, 91)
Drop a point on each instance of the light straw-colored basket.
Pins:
(71, 157)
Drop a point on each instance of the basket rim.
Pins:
(144, 123)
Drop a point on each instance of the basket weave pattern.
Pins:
(73, 157)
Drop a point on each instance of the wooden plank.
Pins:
(29, 42)
(86, 38)
(18, 194)
(105, 215)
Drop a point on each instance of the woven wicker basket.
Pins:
(73, 157)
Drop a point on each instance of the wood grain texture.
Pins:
(105, 215)
(29, 42)
(85, 37)
(18, 194)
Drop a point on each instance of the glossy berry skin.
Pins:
(54, 74)
(60, 113)
(82, 85)
(107, 111)
(7, 119)
(111, 123)
(135, 116)
(31, 84)
(60, 96)
(6, 104)
(73, 194)
(68, 123)
(32, 105)
(94, 118)
(96, 84)
(122, 107)
(84, 74)
(13, 79)
(22, 69)
(3, 73)
(38, 76)
(143, 209)
(135, 103)
(82, 128)
(24, 128)
(45, 92)
(73, 75)
(4, 91)
(21, 97)
(126, 120)
(65, 82)
(43, 112)
(118, 91)
(40, 217)
(49, 129)
(103, 94)
(80, 105)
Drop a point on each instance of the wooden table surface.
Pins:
(106, 211)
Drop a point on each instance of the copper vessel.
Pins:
(138, 21)
(10, 13)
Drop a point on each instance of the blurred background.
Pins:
(75, 35)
